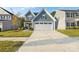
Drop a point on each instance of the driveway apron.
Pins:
(49, 41)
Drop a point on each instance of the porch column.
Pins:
(70, 25)
(76, 23)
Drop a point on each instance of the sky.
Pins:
(23, 10)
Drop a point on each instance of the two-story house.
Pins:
(7, 20)
(67, 19)
(28, 19)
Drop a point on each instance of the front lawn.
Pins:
(13, 33)
(70, 32)
(10, 46)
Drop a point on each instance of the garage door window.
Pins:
(50, 23)
(45, 23)
(41, 23)
(36, 23)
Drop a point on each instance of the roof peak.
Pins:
(30, 12)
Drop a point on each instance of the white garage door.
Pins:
(47, 26)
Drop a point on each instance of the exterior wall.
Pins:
(43, 16)
(72, 19)
(27, 17)
(60, 16)
(1, 25)
(7, 25)
(5, 22)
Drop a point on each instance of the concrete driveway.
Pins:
(46, 41)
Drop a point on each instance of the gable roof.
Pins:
(4, 11)
(29, 12)
(44, 10)
(70, 10)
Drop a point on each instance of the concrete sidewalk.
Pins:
(14, 38)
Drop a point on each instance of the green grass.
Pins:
(10, 46)
(70, 32)
(13, 33)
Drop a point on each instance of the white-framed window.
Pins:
(67, 14)
(9, 17)
(36, 23)
(30, 17)
(41, 22)
(3, 17)
(67, 24)
(44, 16)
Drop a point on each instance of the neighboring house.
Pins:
(28, 19)
(44, 21)
(67, 19)
(7, 20)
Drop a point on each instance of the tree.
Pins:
(21, 22)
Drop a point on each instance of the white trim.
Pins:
(50, 15)
(47, 13)
(30, 12)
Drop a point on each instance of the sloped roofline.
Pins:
(69, 10)
(31, 13)
(7, 11)
(47, 13)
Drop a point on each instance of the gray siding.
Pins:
(43, 16)
(29, 16)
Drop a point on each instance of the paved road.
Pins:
(46, 41)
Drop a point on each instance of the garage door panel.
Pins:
(43, 27)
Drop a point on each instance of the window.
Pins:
(6, 17)
(45, 23)
(30, 17)
(44, 16)
(41, 23)
(3, 17)
(50, 23)
(9, 17)
(71, 14)
(72, 24)
(36, 23)
(76, 14)
(67, 24)
(67, 14)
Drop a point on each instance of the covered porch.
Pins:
(27, 24)
(72, 24)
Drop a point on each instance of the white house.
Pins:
(44, 21)
(67, 19)
(7, 20)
